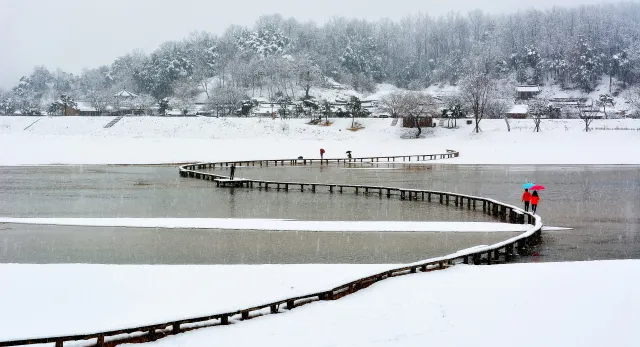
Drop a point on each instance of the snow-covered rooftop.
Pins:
(530, 89)
(519, 109)
(84, 106)
(124, 94)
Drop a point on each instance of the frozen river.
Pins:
(599, 202)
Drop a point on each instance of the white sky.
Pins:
(77, 34)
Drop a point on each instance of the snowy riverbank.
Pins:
(154, 140)
(551, 304)
(53, 300)
(564, 304)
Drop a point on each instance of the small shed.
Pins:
(518, 112)
(413, 122)
(82, 108)
(527, 92)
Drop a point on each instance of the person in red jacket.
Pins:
(526, 197)
(534, 201)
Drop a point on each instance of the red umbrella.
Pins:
(537, 187)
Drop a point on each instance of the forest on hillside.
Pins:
(282, 57)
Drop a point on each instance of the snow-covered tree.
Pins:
(263, 42)
(417, 105)
(203, 51)
(478, 89)
(573, 47)
(587, 65)
(7, 104)
(392, 103)
(283, 110)
(226, 99)
(308, 72)
(163, 106)
(166, 65)
(62, 105)
(122, 71)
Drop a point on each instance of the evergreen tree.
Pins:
(354, 106)
(587, 65)
(163, 106)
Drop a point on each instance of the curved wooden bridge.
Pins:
(500, 252)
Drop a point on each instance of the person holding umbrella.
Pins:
(535, 198)
(526, 196)
(349, 154)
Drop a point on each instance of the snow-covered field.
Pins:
(550, 304)
(275, 224)
(152, 140)
(54, 300)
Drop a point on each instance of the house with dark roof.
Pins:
(527, 92)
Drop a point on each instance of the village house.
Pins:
(518, 112)
(527, 92)
(413, 122)
(82, 108)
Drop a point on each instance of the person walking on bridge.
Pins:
(232, 171)
(535, 199)
(526, 198)
(321, 153)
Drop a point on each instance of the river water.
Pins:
(600, 203)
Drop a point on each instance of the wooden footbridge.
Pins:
(500, 252)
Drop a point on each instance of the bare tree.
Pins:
(99, 99)
(185, 92)
(478, 89)
(392, 103)
(141, 103)
(496, 109)
(308, 72)
(226, 98)
(537, 109)
(417, 105)
(506, 120)
(587, 114)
